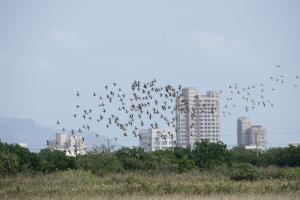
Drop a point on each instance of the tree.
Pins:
(99, 163)
(132, 159)
(185, 164)
(208, 155)
(241, 155)
(8, 164)
(161, 161)
(287, 156)
(184, 159)
(292, 156)
(55, 160)
(27, 162)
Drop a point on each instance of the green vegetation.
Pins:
(99, 164)
(73, 184)
(209, 155)
(210, 170)
(239, 164)
(51, 161)
(244, 171)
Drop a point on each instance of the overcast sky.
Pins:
(51, 49)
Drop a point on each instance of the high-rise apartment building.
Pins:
(243, 126)
(251, 137)
(62, 140)
(156, 139)
(257, 135)
(197, 117)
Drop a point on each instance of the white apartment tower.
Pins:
(197, 117)
(243, 126)
(251, 137)
(258, 136)
(156, 139)
(62, 140)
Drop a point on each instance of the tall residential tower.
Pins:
(197, 117)
(251, 137)
(243, 126)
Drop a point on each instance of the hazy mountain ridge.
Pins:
(16, 130)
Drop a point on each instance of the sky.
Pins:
(51, 49)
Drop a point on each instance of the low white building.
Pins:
(252, 147)
(157, 139)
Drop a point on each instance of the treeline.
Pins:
(239, 163)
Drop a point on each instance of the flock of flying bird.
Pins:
(253, 96)
(150, 104)
(147, 103)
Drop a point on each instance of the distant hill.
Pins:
(15, 130)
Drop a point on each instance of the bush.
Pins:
(271, 172)
(291, 173)
(100, 163)
(132, 159)
(244, 171)
(161, 161)
(292, 156)
(209, 155)
(13, 155)
(282, 157)
(52, 161)
(185, 164)
(8, 164)
(241, 155)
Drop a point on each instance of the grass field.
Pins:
(196, 185)
(171, 197)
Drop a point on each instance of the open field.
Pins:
(85, 185)
(173, 197)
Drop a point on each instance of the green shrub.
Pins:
(240, 155)
(185, 164)
(26, 161)
(100, 163)
(132, 159)
(208, 155)
(244, 171)
(8, 164)
(291, 173)
(283, 157)
(52, 161)
(271, 172)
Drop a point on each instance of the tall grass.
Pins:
(85, 185)
(286, 196)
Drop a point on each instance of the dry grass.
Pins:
(293, 196)
(84, 185)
